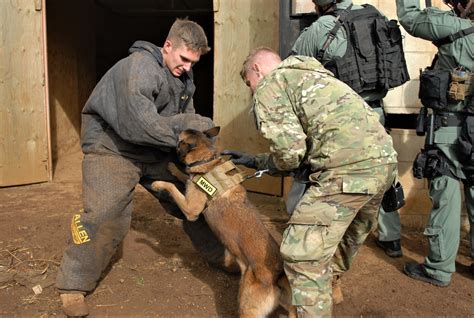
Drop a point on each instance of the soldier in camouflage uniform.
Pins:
(311, 118)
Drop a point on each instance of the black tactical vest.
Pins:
(374, 58)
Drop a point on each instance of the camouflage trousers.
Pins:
(312, 252)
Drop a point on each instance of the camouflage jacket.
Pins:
(311, 118)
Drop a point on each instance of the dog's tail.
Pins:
(257, 298)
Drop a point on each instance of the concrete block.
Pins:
(393, 98)
(410, 94)
(388, 8)
(412, 44)
(407, 144)
(417, 61)
(405, 175)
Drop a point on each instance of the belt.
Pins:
(449, 120)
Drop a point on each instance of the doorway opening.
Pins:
(87, 37)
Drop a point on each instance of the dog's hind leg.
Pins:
(258, 298)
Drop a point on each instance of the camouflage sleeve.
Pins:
(278, 123)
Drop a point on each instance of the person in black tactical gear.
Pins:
(130, 125)
(446, 92)
(363, 49)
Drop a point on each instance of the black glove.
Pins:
(241, 158)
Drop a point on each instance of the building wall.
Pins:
(23, 112)
(240, 26)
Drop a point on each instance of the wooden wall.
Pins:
(240, 26)
(24, 156)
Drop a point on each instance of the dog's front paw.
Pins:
(172, 167)
(174, 170)
(159, 185)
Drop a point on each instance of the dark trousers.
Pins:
(108, 189)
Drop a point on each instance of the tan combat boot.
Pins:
(74, 305)
(337, 297)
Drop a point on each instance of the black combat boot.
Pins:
(391, 248)
(417, 271)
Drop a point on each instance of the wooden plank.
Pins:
(24, 150)
(239, 27)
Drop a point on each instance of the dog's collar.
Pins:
(217, 181)
(201, 162)
(204, 166)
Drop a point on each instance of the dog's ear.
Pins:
(212, 132)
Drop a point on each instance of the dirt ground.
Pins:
(157, 273)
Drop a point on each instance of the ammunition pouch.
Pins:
(448, 120)
(461, 86)
(434, 88)
(431, 163)
(439, 86)
(394, 198)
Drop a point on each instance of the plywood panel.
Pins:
(240, 26)
(23, 113)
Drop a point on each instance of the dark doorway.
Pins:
(119, 23)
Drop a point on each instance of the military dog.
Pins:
(234, 220)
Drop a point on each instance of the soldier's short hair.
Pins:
(252, 57)
(190, 34)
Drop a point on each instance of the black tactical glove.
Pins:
(241, 158)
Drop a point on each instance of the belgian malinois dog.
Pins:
(234, 220)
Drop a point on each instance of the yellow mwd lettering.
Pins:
(206, 186)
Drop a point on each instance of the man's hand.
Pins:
(241, 158)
